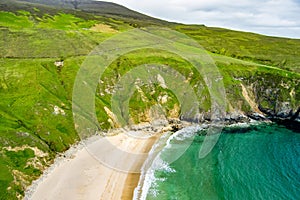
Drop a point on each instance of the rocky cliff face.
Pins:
(276, 96)
(260, 96)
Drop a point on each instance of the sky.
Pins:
(269, 17)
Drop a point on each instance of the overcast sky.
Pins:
(269, 17)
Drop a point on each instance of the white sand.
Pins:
(84, 177)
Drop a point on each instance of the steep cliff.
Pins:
(44, 46)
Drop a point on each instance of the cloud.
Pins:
(270, 17)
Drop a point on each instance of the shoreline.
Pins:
(77, 174)
(142, 187)
(132, 179)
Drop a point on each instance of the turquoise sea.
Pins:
(247, 163)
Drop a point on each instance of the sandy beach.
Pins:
(82, 176)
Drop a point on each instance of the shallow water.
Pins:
(258, 162)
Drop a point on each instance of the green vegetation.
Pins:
(36, 95)
(12, 20)
(273, 51)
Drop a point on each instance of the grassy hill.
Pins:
(36, 96)
(273, 51)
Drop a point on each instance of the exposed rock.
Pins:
(161, 81)
(284, 110)
(113, 120)
(163, 99)
(58, 110)
(257, 116)
(59, 63)
(235, 117)
(250, 99)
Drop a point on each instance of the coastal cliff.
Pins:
(44, 46)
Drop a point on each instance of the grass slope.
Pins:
(36, 96)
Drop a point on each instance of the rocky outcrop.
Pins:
(277, 98)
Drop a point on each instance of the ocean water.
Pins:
(247, 163)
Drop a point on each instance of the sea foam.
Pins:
(159, 159)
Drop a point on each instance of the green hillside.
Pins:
(36, 120)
